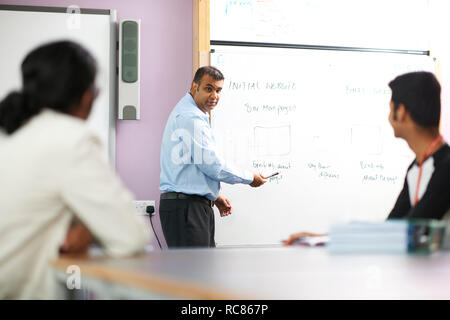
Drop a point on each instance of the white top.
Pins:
(413, 175)
(53, 169)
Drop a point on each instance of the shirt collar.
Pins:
(191, 101)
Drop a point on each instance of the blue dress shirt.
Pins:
(189, 161)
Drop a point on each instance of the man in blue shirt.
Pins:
(191, 169)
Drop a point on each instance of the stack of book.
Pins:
(392, 236)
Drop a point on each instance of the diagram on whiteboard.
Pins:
(272, 141)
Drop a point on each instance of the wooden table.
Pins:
(264, 273)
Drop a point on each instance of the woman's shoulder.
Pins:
(58, 122)
(59, 131)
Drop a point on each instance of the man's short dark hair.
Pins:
(420, 92)
(211, 71)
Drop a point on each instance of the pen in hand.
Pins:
(272, 175)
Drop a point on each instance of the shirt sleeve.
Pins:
(204, 154)
(97, 197)
(435, 202)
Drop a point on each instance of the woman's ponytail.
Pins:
(15, 110)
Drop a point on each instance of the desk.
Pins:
(269, 273)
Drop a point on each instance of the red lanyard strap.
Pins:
(430, 148)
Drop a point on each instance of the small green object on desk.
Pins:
(425, 235)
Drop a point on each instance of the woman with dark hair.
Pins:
(53, 173)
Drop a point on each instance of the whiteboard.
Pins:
(23, 28)
(399, 24)
(320, 118)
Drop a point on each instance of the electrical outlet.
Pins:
(141, 206)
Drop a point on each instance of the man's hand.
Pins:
(258, 180)
(77, 240)
(294, 237)
(224, 206)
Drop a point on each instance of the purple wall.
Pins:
(166, 74)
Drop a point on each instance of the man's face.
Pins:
(207, 94)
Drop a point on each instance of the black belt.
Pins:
(183, 196)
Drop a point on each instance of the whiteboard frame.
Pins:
(313, 47)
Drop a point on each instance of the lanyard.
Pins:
(425, 156)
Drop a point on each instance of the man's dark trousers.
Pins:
(187, 220)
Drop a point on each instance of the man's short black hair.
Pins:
(420, 92)
(212, 71)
